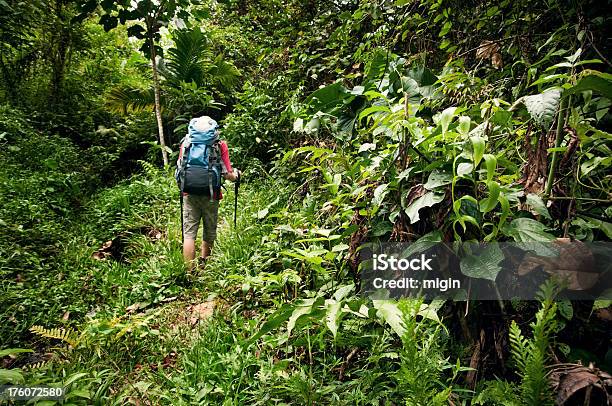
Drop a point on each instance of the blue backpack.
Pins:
(199, 169)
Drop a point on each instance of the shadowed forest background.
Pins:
(352, 121)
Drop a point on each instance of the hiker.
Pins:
(203, 160)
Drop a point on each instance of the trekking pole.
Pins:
(182, 224)
(236, 186)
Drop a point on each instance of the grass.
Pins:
(138, 338)
(125, 305)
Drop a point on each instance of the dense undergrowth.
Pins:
(51, 223)
(129, 331)
(353, 122)
(134, 346)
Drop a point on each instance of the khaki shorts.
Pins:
(196, 208)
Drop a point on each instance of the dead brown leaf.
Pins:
(486, 49)
(497, 60)
(153, 234)
(169, 360)
(98, 255)
(136, 306)
(356, 239)
(577, 383)
(490, 50)
(604, 314)
(572, 145)
(574, 264)
(111, 248)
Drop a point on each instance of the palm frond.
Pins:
(224, 73)
(130, 100)
(189, 59)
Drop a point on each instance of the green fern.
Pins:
(421, 375)
(531, 355)
(66, 335)
(497, 392)
(37, 365)
(150, 170)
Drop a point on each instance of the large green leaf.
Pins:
(422, 75)
(464, 168)
(377, 66)
(411, 88)
(224, 72)
(326, 98)
(537, 205)
(478, 148)
(598, 82)
(381, 227)
(487, 204)
(349, 113)
(303, 309)
(526, 230)
(429, 311)
(427, 200)
(422, 244)
(391, 314)
(379, 194)
(335, 184)
(484, 264)
(130, 100)
(602, 225)
(491, 164)
(343, 291)
(541, 107)
(446, 117)
(332, 315)
(438, 178)
(189, 58)
(588, 166)
(373, 109)
(275, 320)
(464, 125)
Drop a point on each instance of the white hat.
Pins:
(203, 124)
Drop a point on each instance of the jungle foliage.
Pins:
(353, 121)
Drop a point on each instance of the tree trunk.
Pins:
(160, 124)
(61, 40)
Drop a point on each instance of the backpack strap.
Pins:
(210, 187)
(185, 145)
(213, 159)
(215, 150)
(182, 164)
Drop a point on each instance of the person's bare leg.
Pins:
(189, 252)
(206, 249)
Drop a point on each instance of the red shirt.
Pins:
(225, 161)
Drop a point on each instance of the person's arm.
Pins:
(231, 174)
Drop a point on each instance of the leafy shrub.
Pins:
(258, 128)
